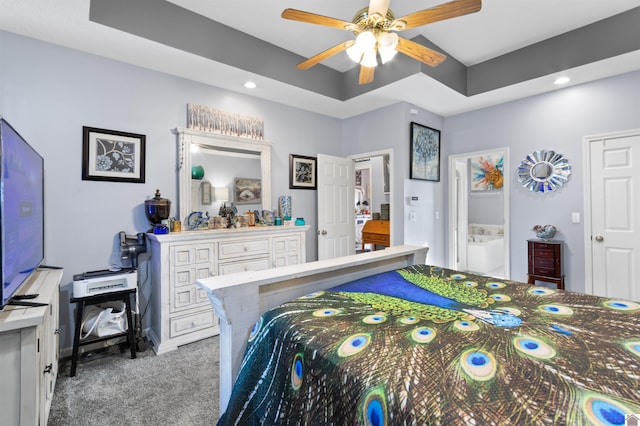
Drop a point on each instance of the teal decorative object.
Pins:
(197, 172)
(299, 221)
(545, 232)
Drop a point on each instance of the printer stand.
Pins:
(125, 296)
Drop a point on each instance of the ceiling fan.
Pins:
(375, 28)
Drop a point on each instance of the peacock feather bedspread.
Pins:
(426, 345)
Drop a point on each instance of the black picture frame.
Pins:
(303, 172)
(424, 162)
(111, 155)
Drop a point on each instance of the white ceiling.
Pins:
(500, 27)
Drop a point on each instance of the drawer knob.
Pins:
(599, 238)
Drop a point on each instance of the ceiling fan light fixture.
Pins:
(369, 59)
(366, 40)
(355, 53)
(387, 43)
(388, 40)
(386, 54)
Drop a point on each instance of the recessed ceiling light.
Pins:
(562, 80)
(250, 85)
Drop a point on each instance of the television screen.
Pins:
(21, 210)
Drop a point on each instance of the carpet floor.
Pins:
(175, 388)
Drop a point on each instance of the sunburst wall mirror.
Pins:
(544, 171)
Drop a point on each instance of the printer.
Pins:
(105, 281)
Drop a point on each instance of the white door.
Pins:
(614, 238)
(336, 218)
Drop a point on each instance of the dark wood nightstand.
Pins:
(545, 262)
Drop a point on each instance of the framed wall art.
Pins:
(424, 153)
(487, 173)
(303, 172)
(247, 191)
(110, 155)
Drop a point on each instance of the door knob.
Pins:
(323, 232)
(599, 238)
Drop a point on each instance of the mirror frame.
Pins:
(559, 173)
(187, 137)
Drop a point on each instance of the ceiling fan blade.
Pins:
(419, 52)
(322, 56)
(439, 13)
(366, 74)
(312, 18)
(378, 6)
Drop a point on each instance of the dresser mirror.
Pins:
(220, 148)
(544, 171)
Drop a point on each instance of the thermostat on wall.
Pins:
(414, 200)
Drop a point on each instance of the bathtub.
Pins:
(485, 253)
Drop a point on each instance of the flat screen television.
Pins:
(21, 211)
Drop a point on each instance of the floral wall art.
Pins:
(487, 173)
(111, 155)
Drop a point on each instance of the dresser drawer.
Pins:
(547, 272)
(192, 254)
(184, 298)
(189, 275)
(244, 265)
(546, 253)
(190, 323)
(231, 249)
(544, 263)
(286, 244)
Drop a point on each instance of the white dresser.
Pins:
(180, 311)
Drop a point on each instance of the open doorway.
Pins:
(372, 195)
(479, 212)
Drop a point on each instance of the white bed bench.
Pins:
(239, 299)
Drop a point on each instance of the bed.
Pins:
(389, 340)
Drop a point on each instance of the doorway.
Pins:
(612, 202)
(372, 198)
(478, 229)
(337, 200)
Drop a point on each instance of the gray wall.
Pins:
(556, 120)
(389, 128)
(486, 207)
(49, 92)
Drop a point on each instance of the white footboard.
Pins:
(239, 299)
